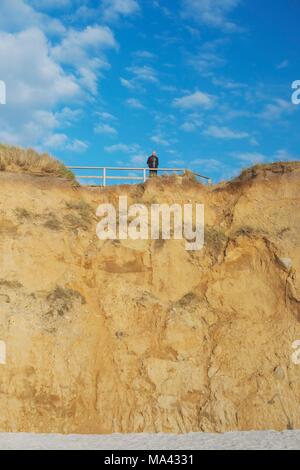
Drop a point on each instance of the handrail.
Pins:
(104, 177)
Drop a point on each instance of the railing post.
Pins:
(104, 177)
(145, 175)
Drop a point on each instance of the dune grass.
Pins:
(19, 160)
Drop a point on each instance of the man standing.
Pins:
(153, 163)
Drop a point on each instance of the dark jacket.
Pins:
(153, 161)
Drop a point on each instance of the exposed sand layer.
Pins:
(144, 336)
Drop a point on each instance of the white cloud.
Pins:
(84, 50)
(56, 141)
(135, 103)
(277, 109)
(195, 100)
(204, 62)
(211, 12)
(138, 159)
(77, 146)
(17, 15)
(76, 45)
(50, 4)
(208, 164)
(224, 133)
(168, 88)
(160, 140)
(112, 10)
(228, 84)
(67, 116)
(188, 126)
(122, 148)
(36, 85)
(253, 141)
(42, 79)
(144, 73)
(283, 65)
(250, 158)
(62, 142)
(32, 76)
(192, 123)
(127, 83)
(144, 55)
(106, 116)
(284, 155)
(105, 129)
(141, 75)
(177, 162)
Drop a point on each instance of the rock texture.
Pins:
(145, 336)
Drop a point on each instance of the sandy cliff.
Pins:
(145, 336)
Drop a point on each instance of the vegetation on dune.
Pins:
(18, 160)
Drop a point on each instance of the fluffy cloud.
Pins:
(50, 4)
(83, 50)
(141, 75)
(41, 78)
(138, 159)
(277, 109)
(144, 73)
(106, 116)
(250, 158)
(208, 164)
(112, 10)
(105, 129)
(283, 155)
(77, 46)
(192, 123)
(224, 133)
(160, 140)
(195, 100)
(135, 103)
(129, 84)
(62, 142)
(211, 12)
(17, 15)
(36, 84)
(33, 78)
(123, 148)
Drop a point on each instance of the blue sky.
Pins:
(205, 83)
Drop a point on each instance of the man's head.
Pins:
(153, 153)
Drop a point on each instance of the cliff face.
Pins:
(145, 336)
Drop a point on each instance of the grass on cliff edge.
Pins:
(29, 161)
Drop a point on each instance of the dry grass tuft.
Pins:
(29, 161)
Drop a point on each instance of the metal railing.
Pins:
(104, 175)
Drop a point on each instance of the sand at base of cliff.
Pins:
(287, 440)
